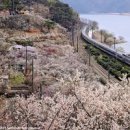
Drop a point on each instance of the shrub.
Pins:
(118, 74)
(102, 62)
(125, 70)
(4, 48)
(49, 24)
(94, 51)
(16, 79)
(5, 4)
(24, 43)
(128, 75)
(105, 58)
(117, 66)
(85, 46)
(103, 81)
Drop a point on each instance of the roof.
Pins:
(29, 48)
(16, 47)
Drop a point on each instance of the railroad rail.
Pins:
(101, 71)
(122, 57)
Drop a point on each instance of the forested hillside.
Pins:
(54, 9)
(46, 78)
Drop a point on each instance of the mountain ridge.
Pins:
(100, 6)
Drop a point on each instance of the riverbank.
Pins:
(107, 38)
(117, 24)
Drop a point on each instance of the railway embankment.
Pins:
(107, 58)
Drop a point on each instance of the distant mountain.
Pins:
(100, 6)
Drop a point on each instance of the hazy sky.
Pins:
(104, 6)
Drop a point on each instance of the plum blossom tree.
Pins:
(72, 97)
(76, 106)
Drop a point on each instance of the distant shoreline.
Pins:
(123, 14)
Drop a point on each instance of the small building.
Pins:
(20, 51)
(15, 47)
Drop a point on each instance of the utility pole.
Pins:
(40, 91)
(29, 5)
(26, 69)
(27, 119)
(92, 32)
(89, 54)
(114, 43)
(78, 29)
(73, 34)
(115, 47)
(12, 7)
(37, 5)
(77, 43)
(32, 75)
(101, 36)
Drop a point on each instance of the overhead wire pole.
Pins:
(89, 55)
(101, 36)
(28, 20)
(73, 33)
(115, 48)
(40, 91)
(32, 75)
(29, 5)
(12, 7)
(77, 38)
(114, 43)
(37, 4)
(77, 43)
(26, 69)
(89, 60)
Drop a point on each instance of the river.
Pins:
(119, 25)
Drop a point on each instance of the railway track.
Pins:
(122, 57)
(103, 73)
(96, 67)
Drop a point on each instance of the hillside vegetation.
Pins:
(44, 83)
(52, 9)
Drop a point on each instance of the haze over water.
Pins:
(119, 25)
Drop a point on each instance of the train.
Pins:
(122, 57)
